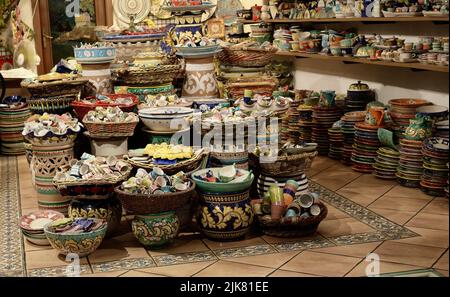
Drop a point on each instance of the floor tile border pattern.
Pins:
(386, 230)
(12, 262)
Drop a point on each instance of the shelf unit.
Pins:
(351, 60)
(364, 20)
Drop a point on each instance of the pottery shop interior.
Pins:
(224, 138)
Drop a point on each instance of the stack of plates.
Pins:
(305, 122)
(435, 160)
(348, 130)
(32, 225)
(442, 129)
(336, 141)
(410, 167)
(448, 182)
(323, 119)
(365, 147)
(386, 163)
(403, 110)
(293, 123)
(284, 133)
(11, 126)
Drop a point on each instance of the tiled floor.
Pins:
(405, 228)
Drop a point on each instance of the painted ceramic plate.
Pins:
(157, 10)
(123, 8)
(36, 221)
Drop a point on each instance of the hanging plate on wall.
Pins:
(123, 9)
(158, 12)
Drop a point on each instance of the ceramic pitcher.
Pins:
(419, 128)
(375, 116)
(328, 98)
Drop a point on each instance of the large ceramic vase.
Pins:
(45, 163)
(108, 209)
(200, 78)
(100, 76)
(156, 230)
(225, 216)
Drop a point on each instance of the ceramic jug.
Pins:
(375, 116)
(419, 128)
(327, 98)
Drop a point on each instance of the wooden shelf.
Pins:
(249, 22)
(351, 60)
(369, 20)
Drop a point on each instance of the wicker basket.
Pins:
(285, 165)
(150, 204)
(60, 87)
(111, 129)
(186, 166)
(303, 227)
(161, 74)
(55, 105)
(81, 108)
(246, 57)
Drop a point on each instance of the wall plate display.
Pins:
(158, 12)
(124, 8)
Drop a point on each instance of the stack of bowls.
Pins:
(386, 163)
(442, 129)
(365, 147)
(410, 168)
(305, 122)
(336, 140)
(348, 130)
(435, 160)
(32, 225)
(12, 120)
(404, 110)
(323, 119)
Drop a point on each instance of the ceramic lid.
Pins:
(359, 86)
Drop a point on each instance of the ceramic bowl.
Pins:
(311, 101)
(435, 111)
(94, 55)
(166, 119)
(34, 222)
(156, 230)
(82, 244)
(37, 239)
(231, 187)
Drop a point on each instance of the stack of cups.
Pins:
(309, 205)
(289, 191)
(277, 202)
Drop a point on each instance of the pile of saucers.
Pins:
(11, 126)
(435, 159)
(365, 147)
(410, 167)
(32, 225)
(448, 183)
(336, 140)
(305, 122)
(403, 110)
(386, 163)
(442, 129)
(293, 124)
(323, 119)
(348, 130)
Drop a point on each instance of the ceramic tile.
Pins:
(356, 250)
(286, 273)
(273, 260)
(399, 217)
(342, 226)
(216, 245)
(133, 273)
(428, 237)
(400, 203)
(230, 269)
(443, 272)
(403, 192)
(321, 264)
(113, 250)
(252, 250)
(190, 257)
(437, 206)
(334, 213)
(366, 189)
(417, 255)
(320, 164)
(442, 263)
(429, 221)
(303, 244)
(275, 240)
(181, 246)
(28, 246)
(182, 270)
(47, 258)
(105, 274)
(335, 177)
(59, 271)
(123, 264)
(363, 269)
